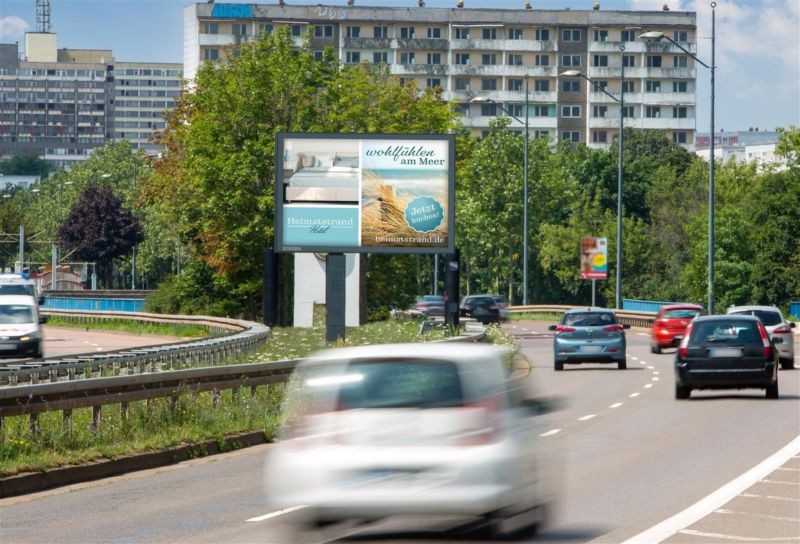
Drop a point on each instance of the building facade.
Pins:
(744, 146)
(493, 62)
(62, 103)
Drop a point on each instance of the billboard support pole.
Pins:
(452, 280)
(335, 272)
(269, 308)
(593, 290)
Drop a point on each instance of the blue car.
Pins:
(589, 335)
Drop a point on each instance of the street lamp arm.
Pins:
(499, 105)
(682, 48)
(599, 88)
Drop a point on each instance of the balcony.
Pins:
(534, 123)
(501, 70)
(418, 69)
(669, 123)
(503, 45)
(670, 98)
(420, 43)
(665, 46)
(615, 72)
(216, 40)
(367, 43)
(669, 73)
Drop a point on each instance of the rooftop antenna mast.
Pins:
(42, 15)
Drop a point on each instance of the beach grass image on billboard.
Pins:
(364, 193)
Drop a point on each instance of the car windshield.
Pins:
(11, 314)
(589, 319)
(765, 316)
(681, 313)
(730, 332)
(16, 289)
(431, 298)
(480, 301)
(499, 299)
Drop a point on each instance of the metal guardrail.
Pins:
(634, 319)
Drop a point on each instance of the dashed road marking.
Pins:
(656, 372)
(753, 514)
(648, 386)
(635, 358)
(772, 497)
(656, 379)
(734, 537)
(642, 363)
(616, 405)
(586, 418)
(551, 433)
(276, 514)
(781, 482)
(633, 395)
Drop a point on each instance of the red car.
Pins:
(670, 325)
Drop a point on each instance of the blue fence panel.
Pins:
(642, 305)
(95, 304)
(794, 310)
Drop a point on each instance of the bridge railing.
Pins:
(634, 319)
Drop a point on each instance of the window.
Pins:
(571, 60)
(462, 84)
(627, 111)
(434, 58)
(488, 58)
(680, 36)
(599, 136)
(407, 57)
(514, 59)
(264, 28)
(543, 34)
(600, 60)
(515, 110)
(628, 36)
(210, 28)
(353, 57)
(570, 111)
(652, 112)
(406, 32)
(353, 31)
(570, 35)
(325, 31)
(600, 111)
(542, 60)
(654, 61)
(514, 33)
(514, 84)
(432, 82)
(571, 136)
(434, 33)
(680, 61)
(463, 109)
(541, 134)
(489, 34)
(403, 81)
(679, 112)
(541, 85)
(541, 111)
(488, 110)
(679, 87)
(484, 134)
(211, 54)
(239, 29)
(297, 30)
(319, 55)
(462, 33)
(601, 35)
(462, 58)
(380, 32)
(489, 84)
(571, 86)
(652, 86)
(628, 87)
(679, 137)
(599, 84)
(628, 61)
(379, 57)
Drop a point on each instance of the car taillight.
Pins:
(613, 328)
(485, 429)
(493, 307)
(564, 329)
(783, 329)
(683, 349)
(659, 323)
(765, 341)
(467, 307)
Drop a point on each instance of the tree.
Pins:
(26, 165)
(99, 228)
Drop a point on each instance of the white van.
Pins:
(20, 327)
(17, 284)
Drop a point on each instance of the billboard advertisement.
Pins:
(364, 193)
(594, 258)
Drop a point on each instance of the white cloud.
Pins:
(12, 28)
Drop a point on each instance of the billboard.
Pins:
(364, 193)
(594, 258)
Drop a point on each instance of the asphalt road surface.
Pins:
(635, 464)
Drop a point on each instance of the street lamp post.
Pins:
(656, 36)
(481, 99)
(621, 102)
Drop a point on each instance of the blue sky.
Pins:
(757, 46)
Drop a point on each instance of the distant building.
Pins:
(742, 146)
(62, 103)
(8, 181)
(493, 54)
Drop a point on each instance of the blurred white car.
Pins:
(778, 328)
(411, 429)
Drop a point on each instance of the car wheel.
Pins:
(772, 391)
(656, 349)
(787, 364)
(39, 355)
(682, 392)
(622, 365)
(558, 365)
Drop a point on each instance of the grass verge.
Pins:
(133, 327)
(536, 316)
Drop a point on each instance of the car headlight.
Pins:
(25, 338)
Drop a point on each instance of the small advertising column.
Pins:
(594, 260)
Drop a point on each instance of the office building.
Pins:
(493, 54)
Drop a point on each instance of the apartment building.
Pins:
(493, 61)
(62, 103)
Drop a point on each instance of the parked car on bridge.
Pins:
(726, 352)
(412, 429)
(670, 325)
(589, 335)
(777, 327)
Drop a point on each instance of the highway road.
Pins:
(631, 458)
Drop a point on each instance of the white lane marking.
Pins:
(98, 349)
(642, 363)
(648, 386)
(656, 372)
(790, 469)
(616, 405)
(737, 538)
(773, 497)
(278, 513)
(635, 359)
(765, 481)
(551, 433)
(586, 418)
(633, 395)
(642, 334)
(754, 514)
(656, 379)
(718, 498)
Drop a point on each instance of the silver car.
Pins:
(778, 328)
(589, 335)
(412, 429)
